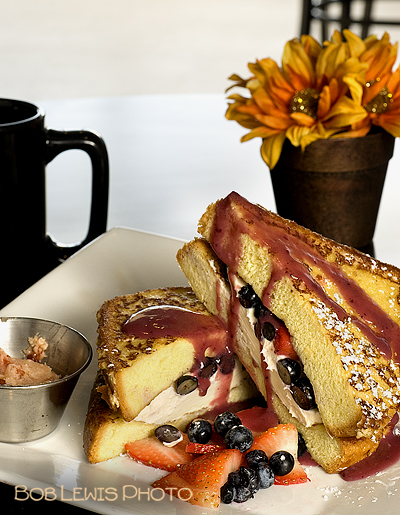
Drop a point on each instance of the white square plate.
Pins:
(125, 261)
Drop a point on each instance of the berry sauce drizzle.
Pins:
(292, 252)
(206, 333)
(386, 455)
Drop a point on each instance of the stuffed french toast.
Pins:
(315, 323)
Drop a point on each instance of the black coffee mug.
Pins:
(26, 146)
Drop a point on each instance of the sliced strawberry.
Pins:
(283, 437)
(150, 451)
(202, 448)
(295, 477)
(200, 481)
(283, 345)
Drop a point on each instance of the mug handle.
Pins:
(90, 142)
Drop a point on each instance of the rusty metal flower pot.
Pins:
(334, 187)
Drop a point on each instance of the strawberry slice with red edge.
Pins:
(200, 481)
(283, 437)
(150, 451)
(283, 345)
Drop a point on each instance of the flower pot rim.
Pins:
(336, 155)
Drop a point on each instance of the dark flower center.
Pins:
(305, 101)
(380, 103)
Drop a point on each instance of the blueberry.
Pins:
(228, 493)
(261, 311)
(208, 368)
(301, 445)
(256, 456)
(236, 479)
(303, 393)
(250, 478)
(225, 421)
(281, 463)
(243, 494)
(199, 431)
(268, 331)
(239, 437)
(244, 482)
(226, 363)
(186, 384)
(168, 434)
(247, 297)
(289, 370)
(266, 476)
(264, 329)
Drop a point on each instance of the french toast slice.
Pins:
(147, 343)
(208, 277)
(340, 307)
(137, 368)
(316, 288)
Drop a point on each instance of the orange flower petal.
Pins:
(279, 123)
(259, 132)
(296, 134)
(244, 119)
(356, 45)
(251, 109)
(389, 122)
(325, 103)
(302, 119)
(297, 64)
(269, 103)
(271, 149)
(355, 88)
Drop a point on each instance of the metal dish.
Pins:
(31, 412)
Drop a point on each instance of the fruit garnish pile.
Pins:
(223, 460)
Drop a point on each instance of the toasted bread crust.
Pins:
(133, 371)
(380, 280)
(106, 432)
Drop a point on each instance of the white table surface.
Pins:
(170, 156)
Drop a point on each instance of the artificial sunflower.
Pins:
(381, 88)
(319, 91)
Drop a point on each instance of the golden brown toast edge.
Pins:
(106, 432)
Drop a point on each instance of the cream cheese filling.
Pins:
(247, 317)
(170, 406)
(306, 417)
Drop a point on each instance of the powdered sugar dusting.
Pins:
(374, 379)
